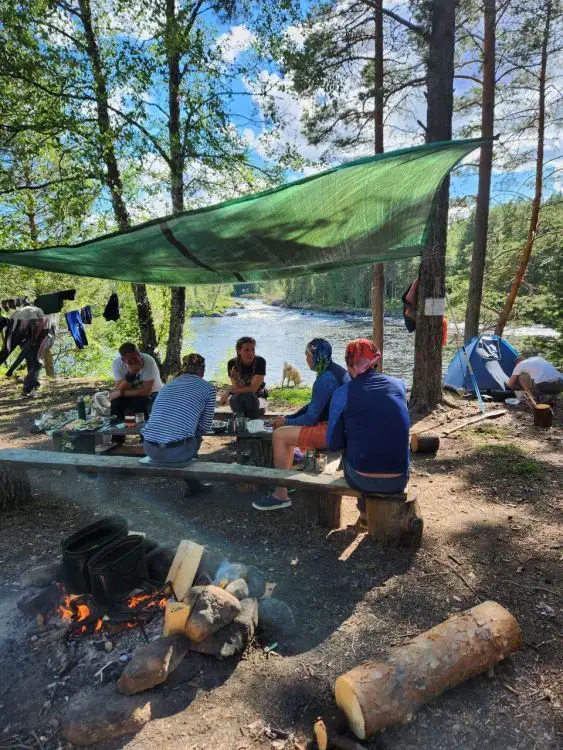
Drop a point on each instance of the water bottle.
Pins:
(81, 407)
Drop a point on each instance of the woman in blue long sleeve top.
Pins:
(306, 428)
(369, 422)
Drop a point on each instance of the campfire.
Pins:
(160, 605)
(84, 616)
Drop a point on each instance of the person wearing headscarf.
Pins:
(181, 415)
(247, 394)
(369, 423)
(306, 428)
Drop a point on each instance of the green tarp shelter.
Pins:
(364, 211)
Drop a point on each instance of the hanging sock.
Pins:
(74, 323)
(86, 314)
(112, 308)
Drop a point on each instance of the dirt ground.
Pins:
(491, 502)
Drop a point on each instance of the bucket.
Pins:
(117, 569)
(85, 543)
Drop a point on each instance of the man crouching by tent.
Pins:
(535, 375)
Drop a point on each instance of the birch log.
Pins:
(378, 694)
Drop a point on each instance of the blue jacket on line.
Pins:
(369, 422)
(317, 410)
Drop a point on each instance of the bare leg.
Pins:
(284, 441)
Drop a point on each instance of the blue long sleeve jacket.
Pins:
(317, 410)
(369, 421)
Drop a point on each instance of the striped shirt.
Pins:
(183, 408)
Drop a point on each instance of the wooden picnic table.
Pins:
(256, 447)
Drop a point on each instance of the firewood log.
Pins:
(378, 694)
(424, 443)
(543, 415)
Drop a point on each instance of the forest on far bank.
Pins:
(539, 302)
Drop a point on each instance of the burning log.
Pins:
(212, 609)
(378, 694)
(182, 572)
(175, 618)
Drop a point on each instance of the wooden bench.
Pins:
(392, 519)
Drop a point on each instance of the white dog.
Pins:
(291, 374)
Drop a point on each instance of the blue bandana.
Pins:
(322, 354)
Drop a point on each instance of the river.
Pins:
(282, 334)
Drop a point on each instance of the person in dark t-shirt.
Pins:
(247, 394)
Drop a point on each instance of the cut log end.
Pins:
(15, 490)
(347, 700)
(424, 443)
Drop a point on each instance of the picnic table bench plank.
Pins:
(207, 470)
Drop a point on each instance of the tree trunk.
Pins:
(112, 175)
(536, 203)
(178, 302)
(378, 694)
(475, 293)
(427, 379)
(378, 277)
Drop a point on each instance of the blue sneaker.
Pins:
(271, 503)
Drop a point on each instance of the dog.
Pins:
(291, 374)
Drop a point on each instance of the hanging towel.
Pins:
(112, 308)
(74, 323)
(86, 314)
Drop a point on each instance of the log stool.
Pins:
(394, 520)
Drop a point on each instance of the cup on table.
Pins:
(139, 418)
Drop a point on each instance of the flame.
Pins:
(135, 600)
(99, 626)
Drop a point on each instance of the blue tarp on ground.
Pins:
(492, 359)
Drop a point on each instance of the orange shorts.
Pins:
(313, 438)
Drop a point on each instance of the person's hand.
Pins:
(277, 422)
(224, 397)
(235, 375)
(114, 394)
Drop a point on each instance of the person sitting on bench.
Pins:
(535, 375)
(307, 427)
(181, 415)
(247, 394)
(369, 422)
(137, 382)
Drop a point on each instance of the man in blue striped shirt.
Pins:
(181, 415)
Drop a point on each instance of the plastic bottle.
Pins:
(81, 407)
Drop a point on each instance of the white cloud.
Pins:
(234, 42)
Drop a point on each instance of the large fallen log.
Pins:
(378, 694)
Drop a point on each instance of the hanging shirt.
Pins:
(184, 408)
(369, 421)
(53, 303)
(539, 369)
(148, 371)
(111, 311)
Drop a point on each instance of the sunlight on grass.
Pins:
(509, 459)
(289, 396)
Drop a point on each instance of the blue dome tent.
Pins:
(492, 359)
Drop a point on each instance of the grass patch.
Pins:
(490, 431)
(509, 459)
(289, 396)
